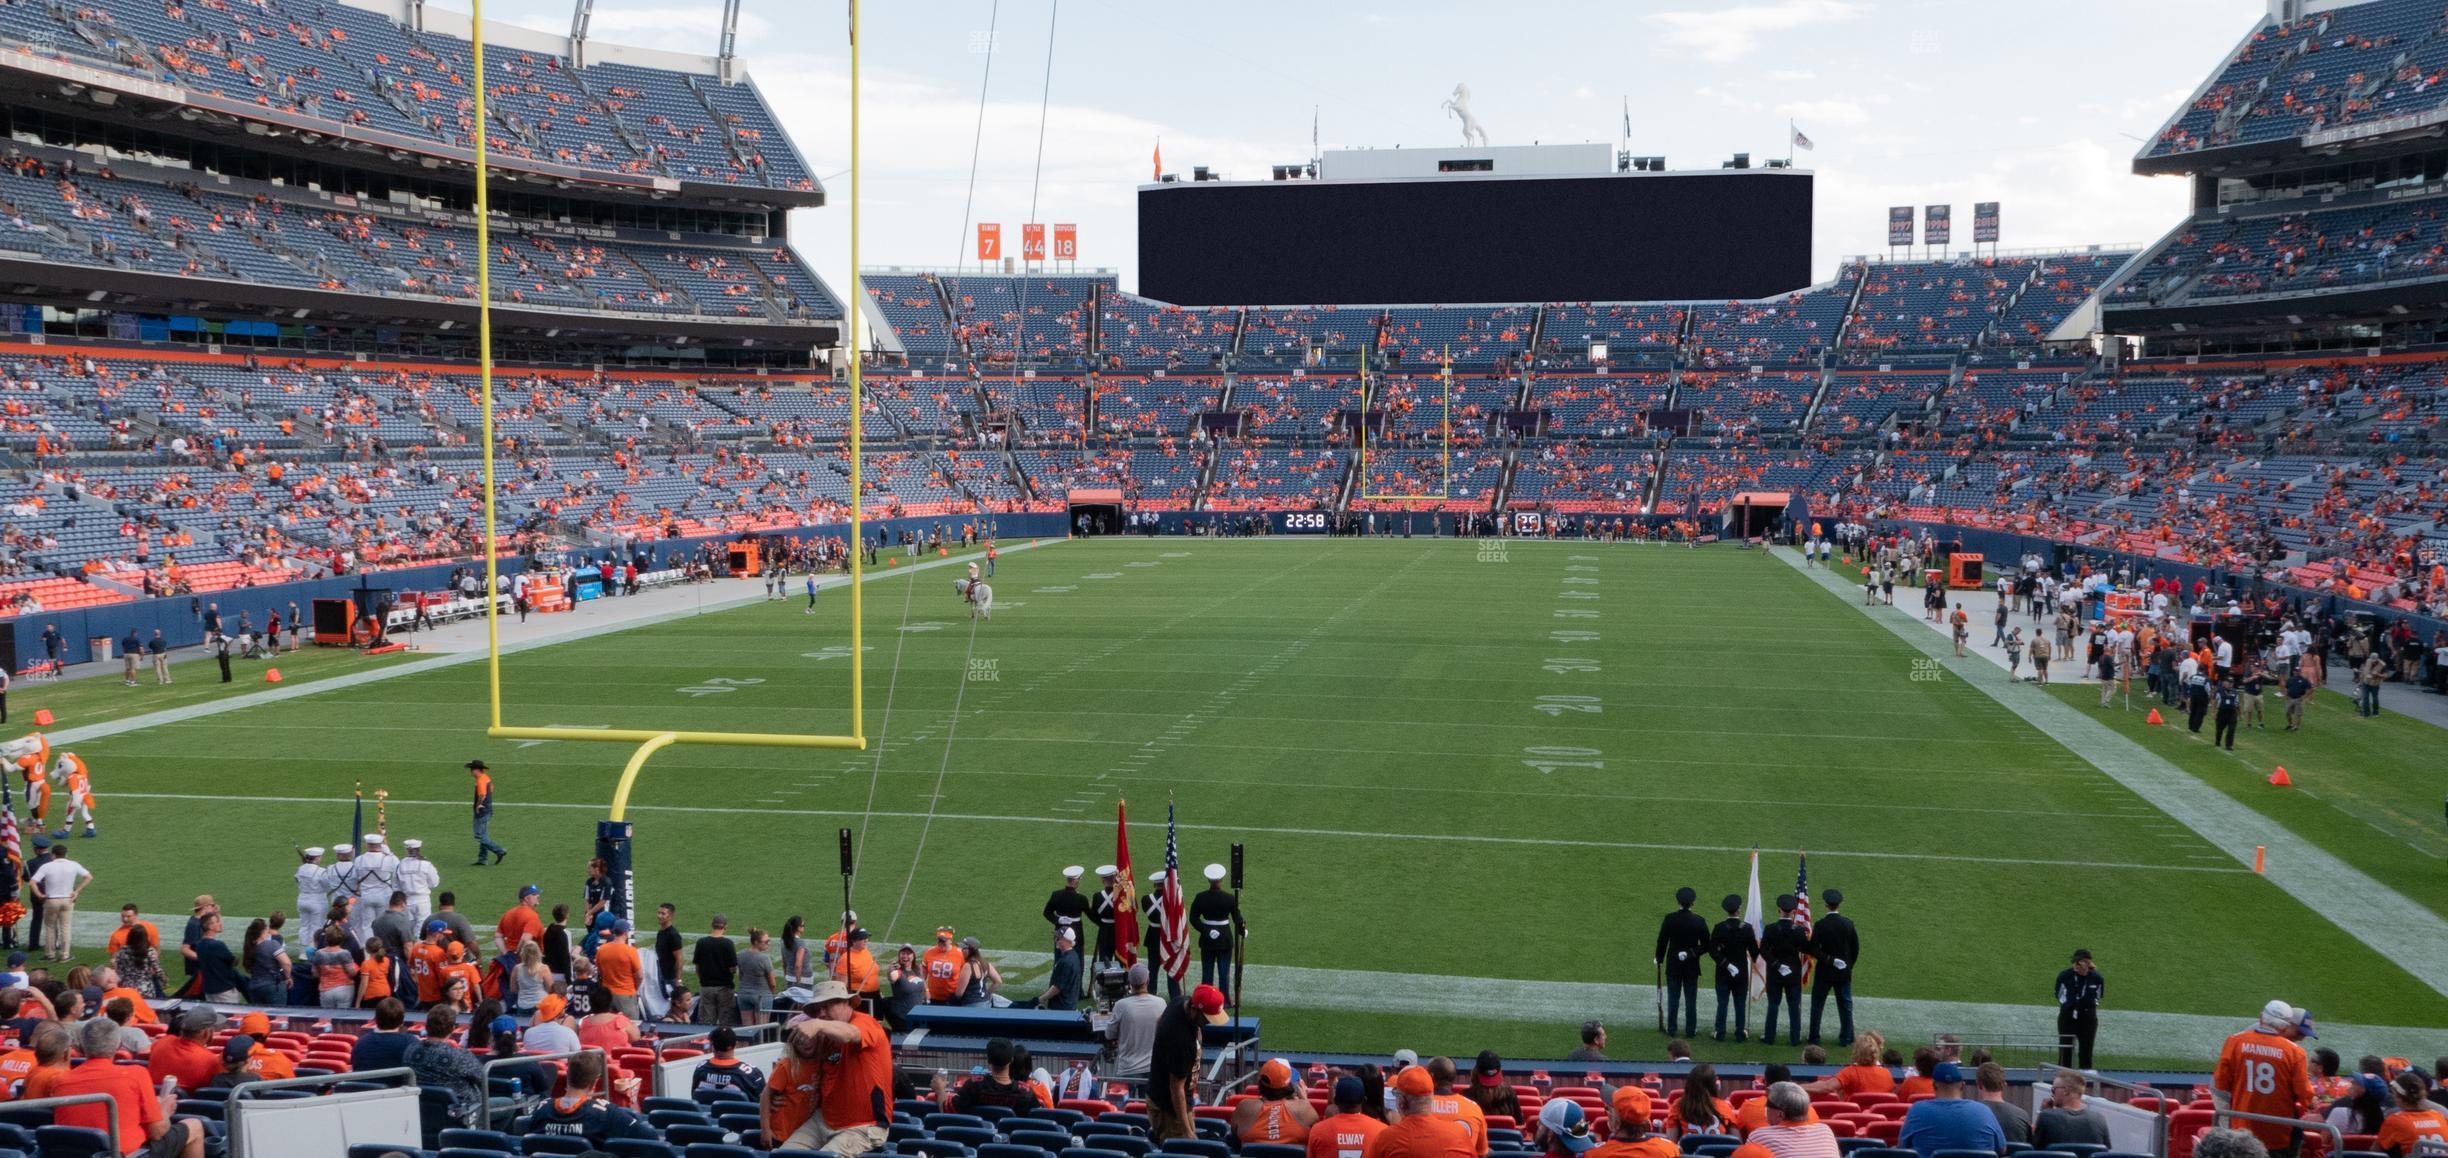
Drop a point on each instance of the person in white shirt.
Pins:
(372, 878)
(418, 877)
(59, 880)
(1133, 1029)
(313, 889)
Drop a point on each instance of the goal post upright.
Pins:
(651, 740)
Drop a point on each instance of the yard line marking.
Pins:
(1333, 833)
(926, 826)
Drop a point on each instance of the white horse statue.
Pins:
(1459, 105)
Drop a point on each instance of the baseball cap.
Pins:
(1276, 1074)
(237, 1048)
(551, 1007)
(861, 935)
(1348, 1090)
(1138, 974)
(1563, 1120)
(526, 891)
(1947, 1073)
(1208, 1001)
(256, 1024)
(16, 959)
(505, 1025)
(2302, 1019)
(1406, 1057)
(436, 925)
(2277, 1015)
(1413, 1082)
(1631, 1103)
(623, 926)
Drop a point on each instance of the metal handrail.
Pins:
(2047, 1071)
(2337, 1137)
(110, 1123)
(484, 1115)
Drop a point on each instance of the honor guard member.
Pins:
(1101, 910)
(1782, 946)
(2079, 989)
(418, 877)
(1151, 934)
(1836, 945)
(1682, 937)
(1215, 915)
(376, 878)
(338, 881)
(1732, 945)
(1067, 907)
(313, 893)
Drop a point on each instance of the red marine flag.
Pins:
(1126, 906)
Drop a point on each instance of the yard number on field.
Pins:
(718, 685)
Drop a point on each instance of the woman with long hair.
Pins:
(977, 979)
(1699, 1110)
(534, 979)
(139, 964)
(798, 972)
(756, 977)
(1489, 1090)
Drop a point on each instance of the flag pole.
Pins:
(1789, 143)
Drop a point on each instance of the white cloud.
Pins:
(1826, 112)
(1584, 92)
(1728, 34)
(1792, 75)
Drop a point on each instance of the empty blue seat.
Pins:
(903, 1131)
(479, 1140)
(1271, 1150)
(1012, 1150)
(2084, 1148)
(666, 1119)
(1693, 1142)
(1090, 1152)
(938, 1121)
(1053, 1114)
(650, 1105)
(1196, 1148)
(1213, 1129)
(384, 1149)
(1714, 1150)
(719, 1150)
(1135, 1121)
(917, 1107)
(691, 1133)
(931, 1146)
(993, 1114)
(1883, 1152)
(71, 1141)
(1851, 1146)
(1506, 1136)
(1956, 1154)
(970, 1136)
(1050, 1141)
(555, 1144)
(641, 1148)
(474, 1152)
(1131, 1144)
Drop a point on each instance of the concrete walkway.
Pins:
(2409, 934)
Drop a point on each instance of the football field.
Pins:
(1469, 779)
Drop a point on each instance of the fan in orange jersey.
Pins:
(2262, 1071)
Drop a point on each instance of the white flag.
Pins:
(1752, 917)
(1802, 142)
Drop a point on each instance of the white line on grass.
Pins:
(1332, 833)
(2409, 935)
(884, 726)
(951, 724)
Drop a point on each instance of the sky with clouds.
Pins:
(2035, 105)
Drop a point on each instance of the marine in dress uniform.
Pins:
(1101, 913)
(1215, 918)
(1067, 907)
(1151, 934)
(1836, 946)
(1682, 938)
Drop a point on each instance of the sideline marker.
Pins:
(2260, 858)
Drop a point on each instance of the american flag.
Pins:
(1802, 912)
(1169, 903)
(9, 848)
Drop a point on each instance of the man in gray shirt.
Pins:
(397, 931)
(1133, 1031)
(2066, 1119)
(2013, 1121)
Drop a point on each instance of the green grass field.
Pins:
(1373, 719)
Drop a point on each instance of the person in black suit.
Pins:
(2079, 989)
(1782, 946)
(1836, 946)
(1682, 937)
(1732, 944)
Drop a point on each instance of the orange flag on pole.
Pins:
(1158, 158)
(1126, 900)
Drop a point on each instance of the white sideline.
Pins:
(1335, 833)
(2408, 934)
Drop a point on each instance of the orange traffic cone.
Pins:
(43, 717)
(271, 675)
(943, 552)
(2153, 717)
(892, 561)
(2280, 779)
